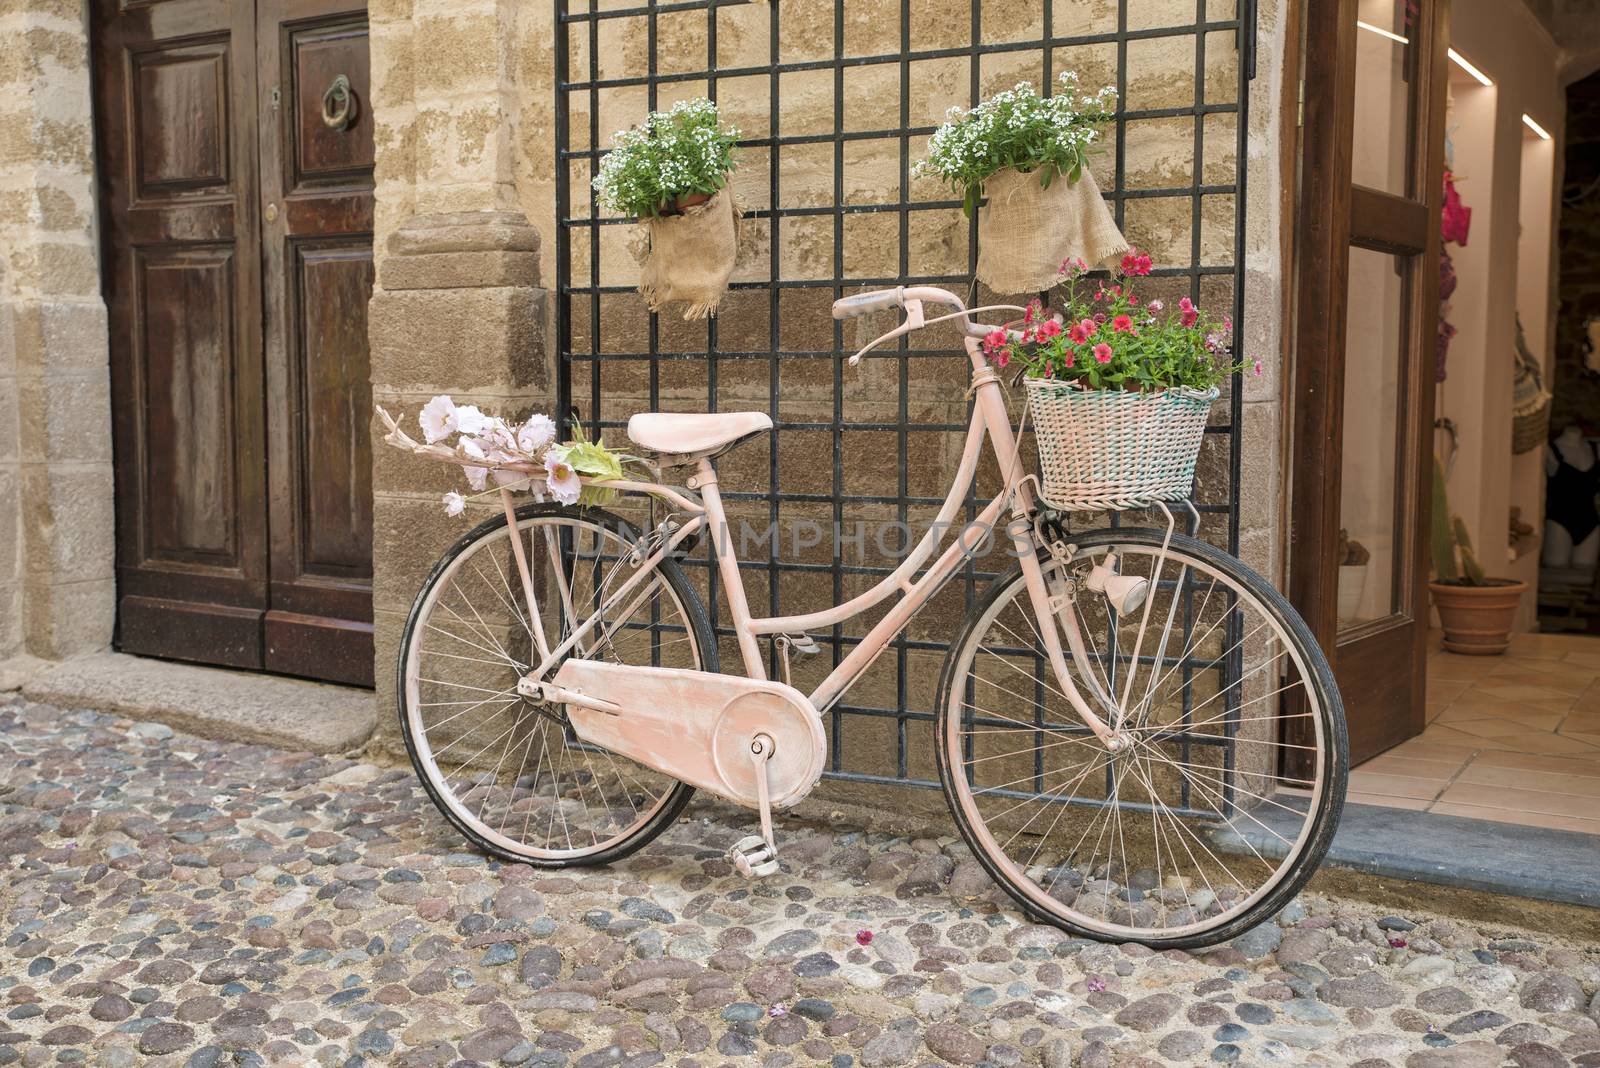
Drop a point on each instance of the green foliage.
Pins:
(1453, 558)
(676, 153)
(1020, 129)
(592, 458)
(1110, 339)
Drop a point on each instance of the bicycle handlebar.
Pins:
(879, 299)
(861, 303)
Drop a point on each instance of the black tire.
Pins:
(705, 648)
(1335, 759)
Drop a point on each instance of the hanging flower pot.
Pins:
(672, 175)
(1034, 221)
(1119, 391)
(692, 253)
(1028, 155)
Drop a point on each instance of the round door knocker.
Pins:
(339, 105)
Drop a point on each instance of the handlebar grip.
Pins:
(861, 303)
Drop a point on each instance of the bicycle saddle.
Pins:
(684, 438)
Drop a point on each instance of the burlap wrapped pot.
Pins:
(1025, 231)
(691, 256)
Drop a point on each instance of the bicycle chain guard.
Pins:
(698, 727)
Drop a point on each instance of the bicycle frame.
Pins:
(989, 422)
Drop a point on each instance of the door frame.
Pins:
(1333, 216)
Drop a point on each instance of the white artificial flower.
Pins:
(454, 503)
(476, 476)
(536, 433)
(496, 434)
(502, 477)
(563, 481)
(469, 420)
(437, 418)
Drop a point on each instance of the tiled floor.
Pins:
(1513, 738)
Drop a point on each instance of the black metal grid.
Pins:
(590, 299)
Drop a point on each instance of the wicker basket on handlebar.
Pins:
(1111, 449)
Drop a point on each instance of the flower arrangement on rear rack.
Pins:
(1119, 388)
(512, 455)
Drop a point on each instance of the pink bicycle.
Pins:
(1138, 737)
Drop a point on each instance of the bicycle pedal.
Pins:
(753, 857)
(804, 644)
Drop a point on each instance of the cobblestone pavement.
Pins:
(175, 902)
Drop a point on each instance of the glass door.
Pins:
(1372, 157)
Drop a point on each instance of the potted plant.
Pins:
(1353, 561)
(672, 175)
(1476, 612)
(1030, 156)
(1118, 390)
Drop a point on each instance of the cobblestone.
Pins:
(179, 903)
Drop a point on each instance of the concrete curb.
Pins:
(232, 706)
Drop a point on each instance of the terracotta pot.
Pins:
(1477, 619)
(685, 201)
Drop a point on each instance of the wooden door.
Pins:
(238, 343)
(1368, 252)
(175, 114)
(316, 239)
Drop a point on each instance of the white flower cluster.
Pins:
(495, 441)
(685, 150)
(1017, 128)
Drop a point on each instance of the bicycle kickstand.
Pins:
(756, 855)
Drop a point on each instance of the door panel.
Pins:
(1368, 301)
(184, 299)
(317, 247)
(174, 96)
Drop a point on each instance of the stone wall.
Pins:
(458, 305)
(56, 528)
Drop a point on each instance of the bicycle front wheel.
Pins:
(508, 772)
(1225, 795)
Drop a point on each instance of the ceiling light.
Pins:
(1461, 61)
(1544, 135)
(1381, 32)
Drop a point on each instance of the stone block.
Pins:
(66, 417)
(475, 338)
(8, 420)
(1259, 465)
(465, 231)
(460, 270)
(10, 525)
(409, 536)
(11, 631)
(67, 523)
(63, 334)
(69, 619)
(387, 630)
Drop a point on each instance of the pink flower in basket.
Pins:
(1191, 314)
(1102, 352)
(1083, 331)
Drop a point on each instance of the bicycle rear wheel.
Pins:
(506, 771)
(1224, 800)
